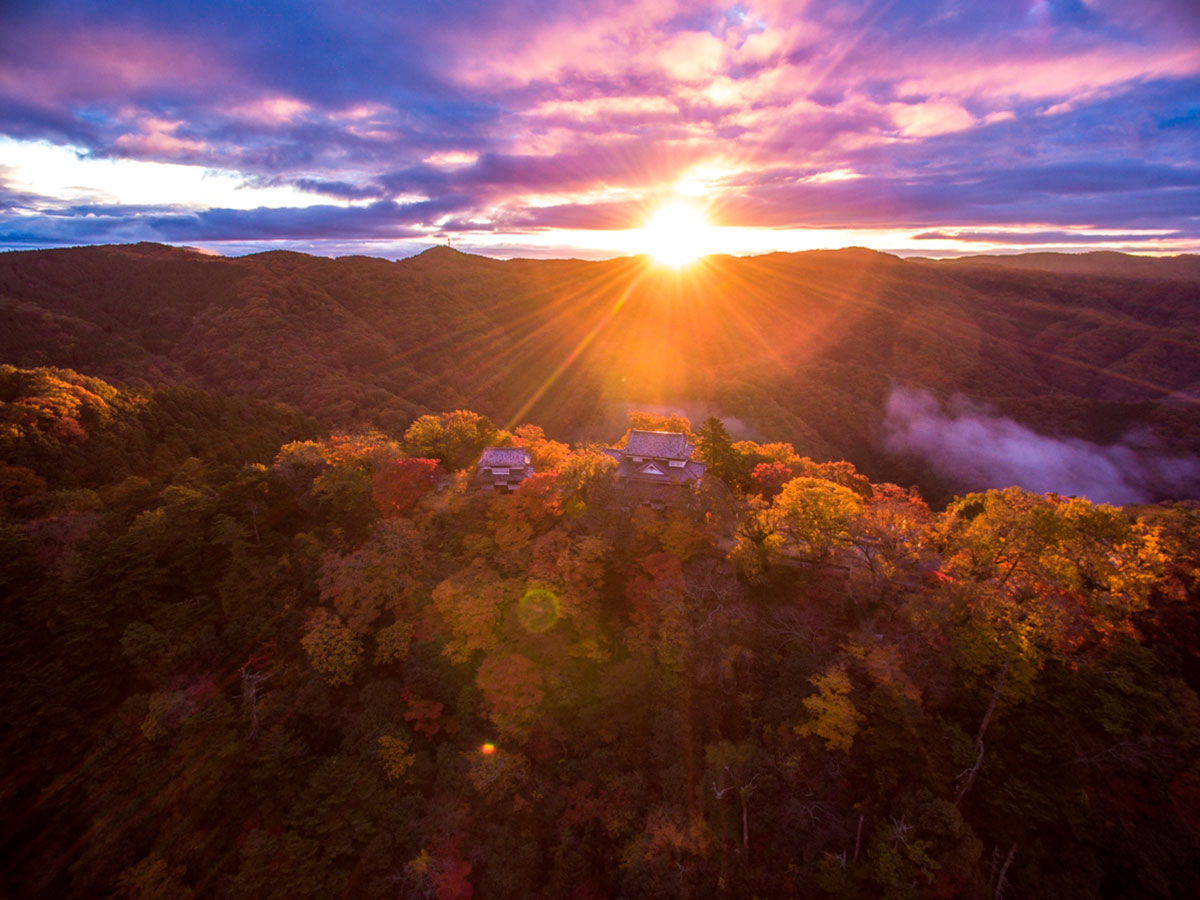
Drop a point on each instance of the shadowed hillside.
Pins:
(805, 347)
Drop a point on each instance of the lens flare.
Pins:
(538, 610)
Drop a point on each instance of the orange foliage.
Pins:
(472, 602)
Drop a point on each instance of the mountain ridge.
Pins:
(804, 347)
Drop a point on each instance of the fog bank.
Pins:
(978, 449)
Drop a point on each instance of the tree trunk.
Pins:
(999, 892)
(987, 718)
(250, 683)
(745, 822)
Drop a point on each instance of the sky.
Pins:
(594, 129)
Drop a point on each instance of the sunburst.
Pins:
(676, 234)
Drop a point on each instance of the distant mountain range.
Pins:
(1101, 262)
(804, 347)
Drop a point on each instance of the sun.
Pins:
(676, 234)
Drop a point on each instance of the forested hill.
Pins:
(1098, 262)
(805, 347)
(332, 667)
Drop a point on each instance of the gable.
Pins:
(651, 469)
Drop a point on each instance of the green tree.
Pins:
(715, 447)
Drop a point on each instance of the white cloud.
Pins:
(70, 176)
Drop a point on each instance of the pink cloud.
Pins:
(158, 144)
(271, 110)
(917, 120)
(1033, 76)
(98, 63)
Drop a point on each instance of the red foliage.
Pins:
(449, 872)
(768, 479)
(894, 493)
(451, 881)
(665, 568)
(665, 571)
(583, 804)
(68, 430)
(423, 714)
(262, 657)
(56, 537)
(401, 483)
(537, 500)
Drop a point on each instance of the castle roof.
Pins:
(659, 444)
(504, 458)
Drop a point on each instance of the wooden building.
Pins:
(656, 467)
(503, 468)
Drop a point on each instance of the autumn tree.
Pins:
(332, 648)
(768, 478)
(472, 603)
(892, 540)
(833, 716)
(382, 578)
(546, 455)
(454, 439)
(812, 518)
(648, 421)
(398, 485)
(513, 689)
(1027, 577)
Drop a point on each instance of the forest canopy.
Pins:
(247, 657)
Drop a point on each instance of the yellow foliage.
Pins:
(472, 603)
(332, 648)
(164, 711)
(420, 862)
(157, 709)
(814, 515)
(834, 718)
(682, 536)
(392, 642)
(1031, 574)
(396, 758)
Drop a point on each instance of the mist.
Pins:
(978, 449)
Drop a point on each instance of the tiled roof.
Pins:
(504, 458)
(660, 444)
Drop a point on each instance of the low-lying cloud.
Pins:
(977, 449)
